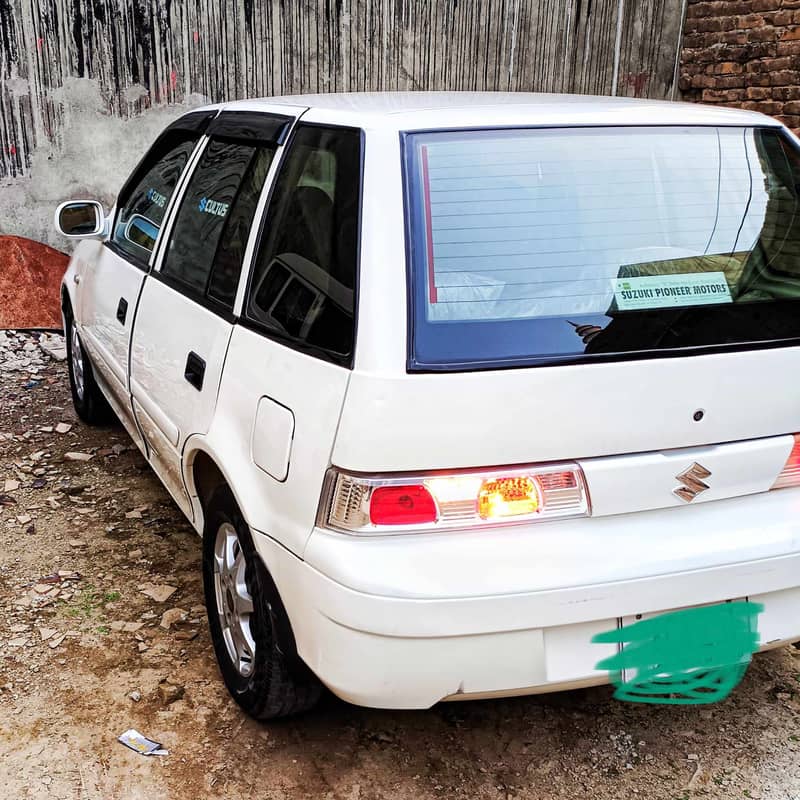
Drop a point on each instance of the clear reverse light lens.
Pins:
(790, 474)
(474, 499)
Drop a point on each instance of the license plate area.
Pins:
(690, 655)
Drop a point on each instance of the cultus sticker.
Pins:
(209, 206)
(157, 198)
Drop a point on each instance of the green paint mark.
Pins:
(686, 657)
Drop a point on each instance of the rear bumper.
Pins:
(377, 648)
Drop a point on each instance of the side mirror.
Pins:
(80, 219)
(142, 232)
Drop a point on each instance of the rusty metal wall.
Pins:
(146, 53)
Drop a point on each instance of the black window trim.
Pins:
(278, 336)
(239, 136)
(193, 122)
(186, 290)
(417, 367)
(261, 127)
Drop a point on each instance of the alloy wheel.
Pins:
(233, 599)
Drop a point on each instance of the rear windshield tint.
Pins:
(546, 245)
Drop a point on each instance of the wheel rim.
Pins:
(234, 602)
(77, 362)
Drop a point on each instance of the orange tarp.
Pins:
(30, 276)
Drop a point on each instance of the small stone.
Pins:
(42, 588)
(135, 696)
(78, 456)
(24, 519)
(692, 757)
(46, 428)
(160, 593)
(19, 628)
(19, 641)
(171, 616)
(77, 543)
(135, 555)
(63, 427)
(47, 633)
(10, 485)
(53, 643)
(186, 636)
(142, 647)
(132, 627)
(169, 692)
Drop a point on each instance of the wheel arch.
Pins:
(203, 474)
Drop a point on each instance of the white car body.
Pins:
(405, 620)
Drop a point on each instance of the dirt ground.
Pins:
(84, 657)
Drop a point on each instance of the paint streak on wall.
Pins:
(73, 69)
(144, 53)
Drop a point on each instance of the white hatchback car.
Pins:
(452, 383)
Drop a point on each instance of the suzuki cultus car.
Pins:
(451, 384)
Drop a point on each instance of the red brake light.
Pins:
(401, 505)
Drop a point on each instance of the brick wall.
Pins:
(744, 53)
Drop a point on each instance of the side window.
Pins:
(303, 281)
(142, 204)
(208, 239)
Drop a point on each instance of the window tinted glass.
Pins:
(534, 244)
(214, 219)
(143, 207)
(230, 253)
(305, 272)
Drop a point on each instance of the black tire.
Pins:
(279, 683)
(90, 403)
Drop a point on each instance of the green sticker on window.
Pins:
(666, 291)
(686, 657)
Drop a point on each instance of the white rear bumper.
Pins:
(377, 648)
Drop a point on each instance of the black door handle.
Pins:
(122, 310)
(195, 371)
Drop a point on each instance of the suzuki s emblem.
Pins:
(692, 480)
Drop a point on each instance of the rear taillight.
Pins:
(472, 499)
(790, 474)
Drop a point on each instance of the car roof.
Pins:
(432, 110)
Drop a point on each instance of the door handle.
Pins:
(122, 310)
(195, 371)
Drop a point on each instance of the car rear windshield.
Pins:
(537, 246)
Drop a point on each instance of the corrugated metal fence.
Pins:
(145, 53)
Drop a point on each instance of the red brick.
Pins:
(722, 95)
(786, 92)
(758, 93)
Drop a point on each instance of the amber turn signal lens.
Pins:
(508, 497)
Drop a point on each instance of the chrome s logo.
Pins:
(692, 482)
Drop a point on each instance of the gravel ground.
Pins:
(89, 545)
